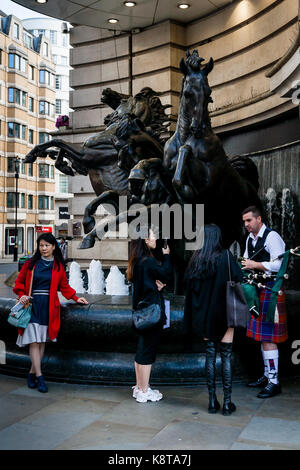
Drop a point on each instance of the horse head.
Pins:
(195, 89)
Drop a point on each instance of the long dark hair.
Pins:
(58, 257)
(203, 262)
(138, 250)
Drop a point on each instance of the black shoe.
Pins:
(261, 382)
(226, 351)
(213, 405)
(228, 408)
(270, 391)
(31, 380)
(41, 385)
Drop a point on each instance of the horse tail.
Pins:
(246, 168)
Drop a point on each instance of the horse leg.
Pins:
(183, 191)
(110, 197)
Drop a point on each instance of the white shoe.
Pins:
(150, 395)
(136, 390)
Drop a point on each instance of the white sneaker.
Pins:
(136, 390)
(150, 395)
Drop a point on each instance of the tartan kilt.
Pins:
(268, 332)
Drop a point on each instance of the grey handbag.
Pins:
(237, 308)
(146, 317)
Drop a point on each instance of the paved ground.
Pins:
(97, 417)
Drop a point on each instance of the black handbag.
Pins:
(237, 308)
(146, 317)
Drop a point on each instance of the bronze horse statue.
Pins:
(194, 155)
(133, 132)
(195, 168)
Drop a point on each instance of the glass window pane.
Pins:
(17, 96)
(17, 130)
(10, 129)
(23, 98)
(17, 62)
(30, 201)
(11, 95)
(10, 164)
(11, 60)
(42, 107)
(42, 76)
(46, 171)
(24, 132)
(16, 31)
(23, 65)
(22, 200)
(30, 104)
(30, 168)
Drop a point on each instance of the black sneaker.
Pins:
(261, 382)
(271, 390)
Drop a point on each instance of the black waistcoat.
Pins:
(258, 253)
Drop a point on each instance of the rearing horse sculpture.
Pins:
(202, 173)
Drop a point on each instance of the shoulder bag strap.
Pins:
(229, 270)
(31, 282)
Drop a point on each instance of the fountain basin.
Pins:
(96, 344)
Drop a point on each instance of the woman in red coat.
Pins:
(47, 268)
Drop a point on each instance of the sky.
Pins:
(12, 8)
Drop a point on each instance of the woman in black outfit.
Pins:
(147, 278)
(205, 310)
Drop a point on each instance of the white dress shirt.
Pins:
(273, 245)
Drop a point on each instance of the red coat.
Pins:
(58, 282)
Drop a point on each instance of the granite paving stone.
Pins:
(69, 415)
(22, 436)
(189, 435)
(15, 408)
(102, 435)
(282, 432)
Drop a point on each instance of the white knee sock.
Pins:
(266, 373)
(272, 360)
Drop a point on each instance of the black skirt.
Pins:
(147, 346)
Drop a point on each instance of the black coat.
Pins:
(205, 301)
(145, 273)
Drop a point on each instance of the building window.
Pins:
(30, 136)
(14, 95)
(58, 82)
(13, 129)
(11, 200)
(16, 31)
(10, 164)
(17, 62)
(46, 77)
(46, 49)
(24, 132)
(43, 137)
(30, 239)
(46, 108)
(54, 58)
(31, 104)
(53, 37)
(41, 31)
(30, 169)
(51, 171)
(58, 107)
(24, 98)
(65, 40)
(28, 40)
(52, 202)
(22, 201)
(44, 202)
(43, 170)
(10, 240)
(31, 72)
(63, 183)
(64, 60)
(30, 201)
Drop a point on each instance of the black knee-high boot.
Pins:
(210, 367)
(226, 350)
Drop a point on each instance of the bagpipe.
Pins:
(254, 281)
